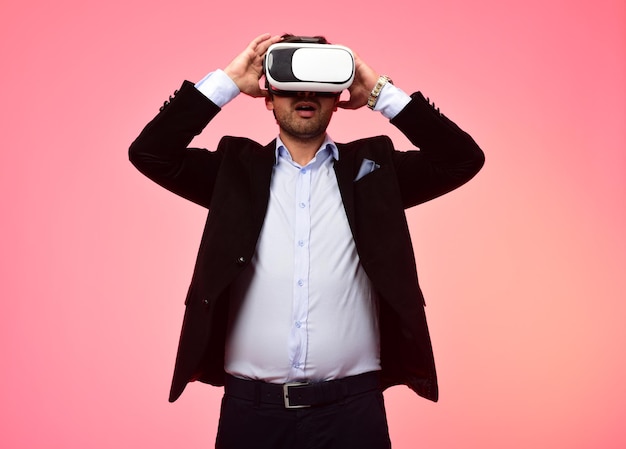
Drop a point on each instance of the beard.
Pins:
(300, 128)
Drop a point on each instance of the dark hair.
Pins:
(290, 38)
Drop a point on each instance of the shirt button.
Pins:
(300, 243)
(298, 324)
(303, 171)
(300, 282)
(302, 205)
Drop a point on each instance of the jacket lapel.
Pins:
(261, 166)
(344, 170)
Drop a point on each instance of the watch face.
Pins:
(309, 67)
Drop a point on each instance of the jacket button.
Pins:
(205, 301)
(241, 260)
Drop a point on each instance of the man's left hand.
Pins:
(365, 79)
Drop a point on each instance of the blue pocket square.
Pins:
(367, 167)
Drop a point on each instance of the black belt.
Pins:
(301, 394)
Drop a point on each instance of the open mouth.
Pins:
(306, 109)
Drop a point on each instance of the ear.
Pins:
(269, 103)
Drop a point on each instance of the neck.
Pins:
(302, 150)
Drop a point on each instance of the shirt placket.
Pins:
(300, 308)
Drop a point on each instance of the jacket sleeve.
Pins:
(447, 158)
(161, 150)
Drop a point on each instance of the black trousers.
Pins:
(356, 422)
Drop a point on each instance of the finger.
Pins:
(252, 50)
(346, 105)
(260, 40)
(257, 92)
(257, 40)
(265, 44)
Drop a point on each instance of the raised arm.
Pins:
(161, 151)
(447, 158)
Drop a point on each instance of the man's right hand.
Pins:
(247, 68)
(365, 78)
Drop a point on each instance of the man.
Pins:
(304, 302)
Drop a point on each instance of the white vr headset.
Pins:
(306, 67)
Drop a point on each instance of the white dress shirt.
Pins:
(303, 309)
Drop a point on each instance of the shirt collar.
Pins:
(327, 144)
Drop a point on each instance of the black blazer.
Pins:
(233, 183)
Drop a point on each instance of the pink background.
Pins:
(525, 292)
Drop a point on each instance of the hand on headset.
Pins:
(365, 79)
(246, 69)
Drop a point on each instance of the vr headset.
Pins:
(307, 67)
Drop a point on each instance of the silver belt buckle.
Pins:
(286, 394)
